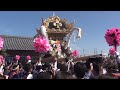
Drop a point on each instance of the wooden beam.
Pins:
(51, 59)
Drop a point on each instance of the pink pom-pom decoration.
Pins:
(75, 53)
(112, 51)
(112, 37)
(28, 57)
(41, 44)
(17, 57)
(1, 43)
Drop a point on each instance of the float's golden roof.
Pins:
(55, 24)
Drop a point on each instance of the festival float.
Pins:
(57, 33)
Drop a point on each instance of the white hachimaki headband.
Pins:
(16, 68)
(117, 53)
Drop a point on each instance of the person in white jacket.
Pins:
(2, 61)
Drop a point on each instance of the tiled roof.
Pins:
(17, 43)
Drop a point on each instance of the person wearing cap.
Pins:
(39, 62)
(7, 71)
(1, 65)
(117, 57)
(15, 72)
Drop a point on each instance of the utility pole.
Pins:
(95, 51)
(84, 52)
(101, 51)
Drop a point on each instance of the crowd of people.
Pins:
(93, 68)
